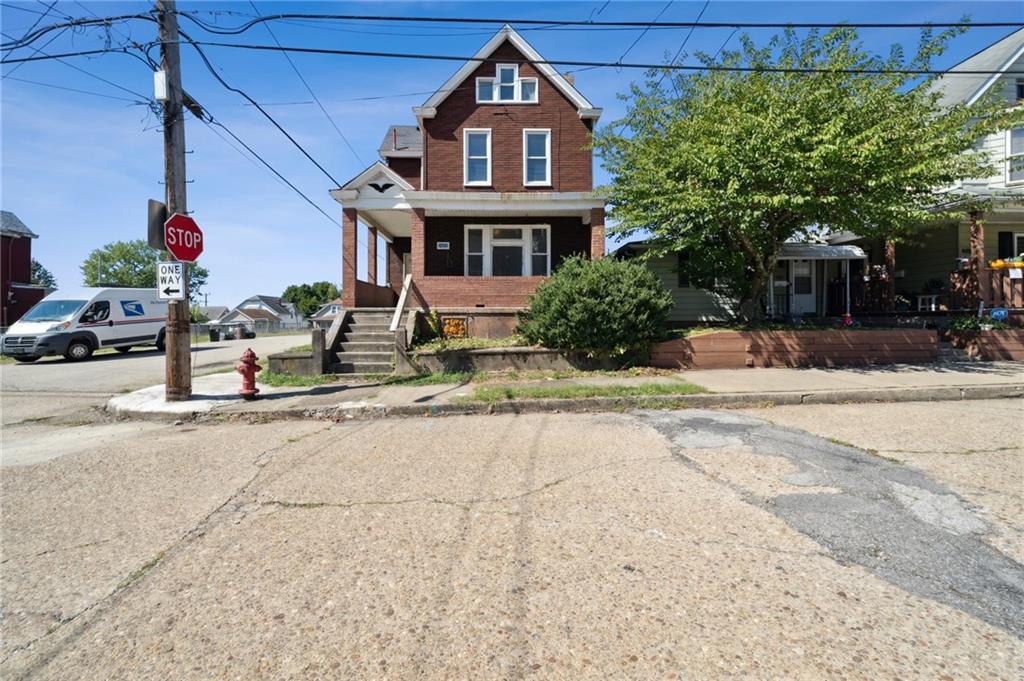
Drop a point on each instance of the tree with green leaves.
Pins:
(814, 134)
(310, 297)
(132, 264)
(42, 276)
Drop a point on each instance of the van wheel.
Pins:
(123, 349)
(25, 360)
(161, 345)
(78, 350)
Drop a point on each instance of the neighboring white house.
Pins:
(324, 317)
(266, 313)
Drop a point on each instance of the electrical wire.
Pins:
(310, 90)
(570, 62)
(644, 32)
(589, 23)
(686, 39)
(71, 89)
(73, 23)
(42, 16)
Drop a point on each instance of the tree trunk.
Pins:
(889, 303)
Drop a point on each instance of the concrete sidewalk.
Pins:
(218, 394)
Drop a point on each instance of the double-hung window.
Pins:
(506, 87)
(477, 157)
(508, 250)
(1015, 155)
(536, 157)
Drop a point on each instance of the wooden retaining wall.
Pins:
(797, 348)
(991, 345)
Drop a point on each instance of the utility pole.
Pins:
(179, 366)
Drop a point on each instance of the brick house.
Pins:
(483, 197)
(17, 291)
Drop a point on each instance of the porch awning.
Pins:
(821, 252)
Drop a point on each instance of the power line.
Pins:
(59, 57)
(558, 22)
(570, 62)
(686, 39)
(310, 90)
(252, 101)
(42, 15)
(32, 36)
(71, 89)
(646, 29)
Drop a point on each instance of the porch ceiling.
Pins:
(393, 222)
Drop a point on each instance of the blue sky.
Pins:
(78, 169)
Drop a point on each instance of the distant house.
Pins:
(17, 293)
(324, 317)
(213, 312)
(265, 313)
(947, 267)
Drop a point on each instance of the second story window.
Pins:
(506, 87)
(477, 157)
(1015, 155)
(537, 157)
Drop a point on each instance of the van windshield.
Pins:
(53, 311)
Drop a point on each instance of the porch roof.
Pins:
(821, 252)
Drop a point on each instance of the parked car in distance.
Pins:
(77, 322)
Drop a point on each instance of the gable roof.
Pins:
(371, 172)
(402, 141)
(255, 313)
(583, 105)
(12, 226)
(273, 302)
(968, 88)
(213, 311)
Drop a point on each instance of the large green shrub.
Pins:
(601, 307)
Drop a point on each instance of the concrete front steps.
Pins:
(366, 347)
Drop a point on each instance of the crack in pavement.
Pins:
(888, 518)
(197, 530)
(462, 504)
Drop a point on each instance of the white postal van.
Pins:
(76, 323)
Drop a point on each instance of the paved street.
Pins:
(53, 386)
(690, 544)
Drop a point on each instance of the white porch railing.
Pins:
(396, 319)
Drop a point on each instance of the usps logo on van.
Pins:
(132, 308)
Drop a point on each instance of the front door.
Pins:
(802, 286)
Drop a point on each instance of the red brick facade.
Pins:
(406, 168)
(570, 135)
(438, 281)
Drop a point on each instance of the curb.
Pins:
(601, 404)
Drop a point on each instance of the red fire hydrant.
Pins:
(248, 367)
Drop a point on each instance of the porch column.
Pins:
(890, 276)
(596, 233)
(349, 233)
(978, 262)
(394, 267)
(371, 255)
(419, 251)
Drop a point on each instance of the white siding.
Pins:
(691, 304)
(995, 144)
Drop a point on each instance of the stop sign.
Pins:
(183, 237)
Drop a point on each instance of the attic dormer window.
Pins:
(506, 87)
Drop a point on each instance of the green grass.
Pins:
(499, 393)
(424, 379)
(308, 347)
(446, 344)
(279, 380)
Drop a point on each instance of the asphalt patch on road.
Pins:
(886, 517)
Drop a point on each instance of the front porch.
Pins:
(476, 251)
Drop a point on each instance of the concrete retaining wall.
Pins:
(1007, 344)
(797, 348)
(500, 359)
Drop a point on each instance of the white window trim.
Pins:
(1008, 156)
(486, 242)
(1017, 236)
(465, 157)
(495, 81)
(547, 151)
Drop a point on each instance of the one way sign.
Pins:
(169, 276)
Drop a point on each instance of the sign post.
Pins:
(183, 240)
